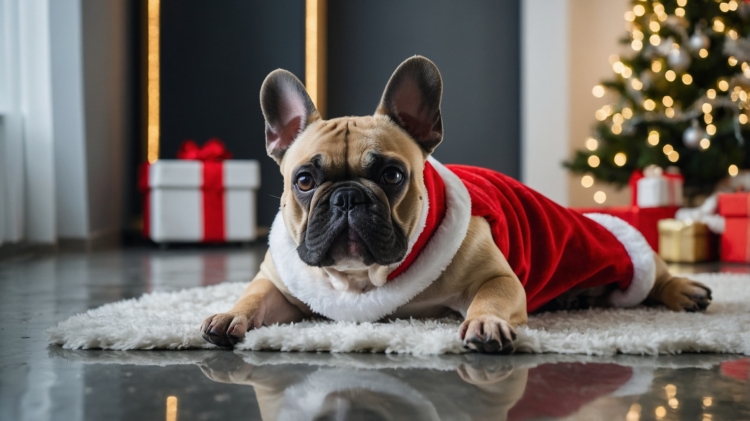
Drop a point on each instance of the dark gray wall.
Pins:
(476, 46)
(214, 57)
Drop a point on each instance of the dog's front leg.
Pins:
(261, 304)
(497, 308)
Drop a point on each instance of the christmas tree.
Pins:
(681, 96)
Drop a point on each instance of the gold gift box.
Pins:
(684, 241)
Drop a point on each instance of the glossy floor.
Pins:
(38, 382)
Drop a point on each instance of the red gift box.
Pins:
(736, 205)
(735, 242)
(645, 220)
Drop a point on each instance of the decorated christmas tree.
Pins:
(679, 99)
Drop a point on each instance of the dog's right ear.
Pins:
(288, 110)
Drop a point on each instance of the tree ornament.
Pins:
(693, 135)
(678, 59)
(698, 41)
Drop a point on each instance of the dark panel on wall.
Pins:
(214, 57)
(476, 45)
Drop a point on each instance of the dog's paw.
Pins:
(682, 294)
(225, 329)
(488, 334)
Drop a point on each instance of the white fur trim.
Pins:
(641, 255)
(312, 287)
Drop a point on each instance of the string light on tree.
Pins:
(653, 138)
(587, 181)
(733, 170)
(620, 159)
(600, 197)
(592, 144)
(598, 91)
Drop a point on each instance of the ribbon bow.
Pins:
(212, 151)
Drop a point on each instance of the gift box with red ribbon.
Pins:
(645, 220)
(203, 196)
(654, 187)
(735, 241)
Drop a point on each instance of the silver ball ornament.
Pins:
(699, 41)
(693, 135)
(678, 59)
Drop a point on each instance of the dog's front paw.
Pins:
(489, 334)
(682, 294)
(224, 329)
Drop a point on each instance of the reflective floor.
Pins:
(38, 382)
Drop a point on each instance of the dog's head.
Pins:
(353, 186)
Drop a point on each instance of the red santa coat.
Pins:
(550, 248)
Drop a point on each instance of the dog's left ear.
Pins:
(412, 100)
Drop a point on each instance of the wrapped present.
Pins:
(735, 241)
(645, 220)
(654, 187)
(684, 241)
(734, 205)
(201, 197)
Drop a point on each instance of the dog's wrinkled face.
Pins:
(353, 186)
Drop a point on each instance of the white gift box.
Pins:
(656, 190)
(178, 201)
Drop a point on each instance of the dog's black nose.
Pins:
(346, 198)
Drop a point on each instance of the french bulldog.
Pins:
(371, 228)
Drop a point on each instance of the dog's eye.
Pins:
(392, 176)
(305, 181)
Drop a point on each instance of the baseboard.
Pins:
(23, 250)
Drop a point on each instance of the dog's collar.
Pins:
(435, 214)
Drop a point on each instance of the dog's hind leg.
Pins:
(677, 293)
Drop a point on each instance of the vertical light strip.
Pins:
(315, 52)
(172, 408)
(153, 130)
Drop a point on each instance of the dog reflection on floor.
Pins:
(467, 391)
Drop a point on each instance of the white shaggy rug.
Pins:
(165, 320)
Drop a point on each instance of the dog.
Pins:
(371, 227)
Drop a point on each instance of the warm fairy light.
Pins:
(711, 93)
(587, 181)
(743, 96)
(654, 40)
(594, 161)
(732, 5)
(669, 112)
(660, 412)
(636, 45)
(724, 85)
(707, 417)
(618, 66)
(708, 401)
(649, 104)
(613, 58)
(706, 107)
(600, 115)
(659, 8)
(618, 118)
(681, 3)
(667, 149)
(733, 170)
(636, 84)
(639, 10)
(627, 113)
(616, 129)
(673, 156)
(172, 408)
(711, 129)
(703, 53)
(653, 138)
(723, 7)
(626, 72)
(620, 159)
(705, 143)
(153, 129)
(600, 197)
(598, 91)
(718, 25)
(607, 109)
(662, 17)
(638, 35)
(674, 403)
(732, 60)
(670, 75)
(732, 34)
(742, 118)
(679, 12)
(667, 101)
(687, 79)
(656, 66)
(629, 16)
(708, 118)
(634, 413)
(592, 144)
(654, 26)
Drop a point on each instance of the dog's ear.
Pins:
(287, 109)
(412, 100)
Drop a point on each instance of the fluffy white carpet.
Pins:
(171, 320)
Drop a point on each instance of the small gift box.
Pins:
(684, 241)
(644, 220)
(735, 205)
(201, 197)
(654, 187)
(735, 241)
